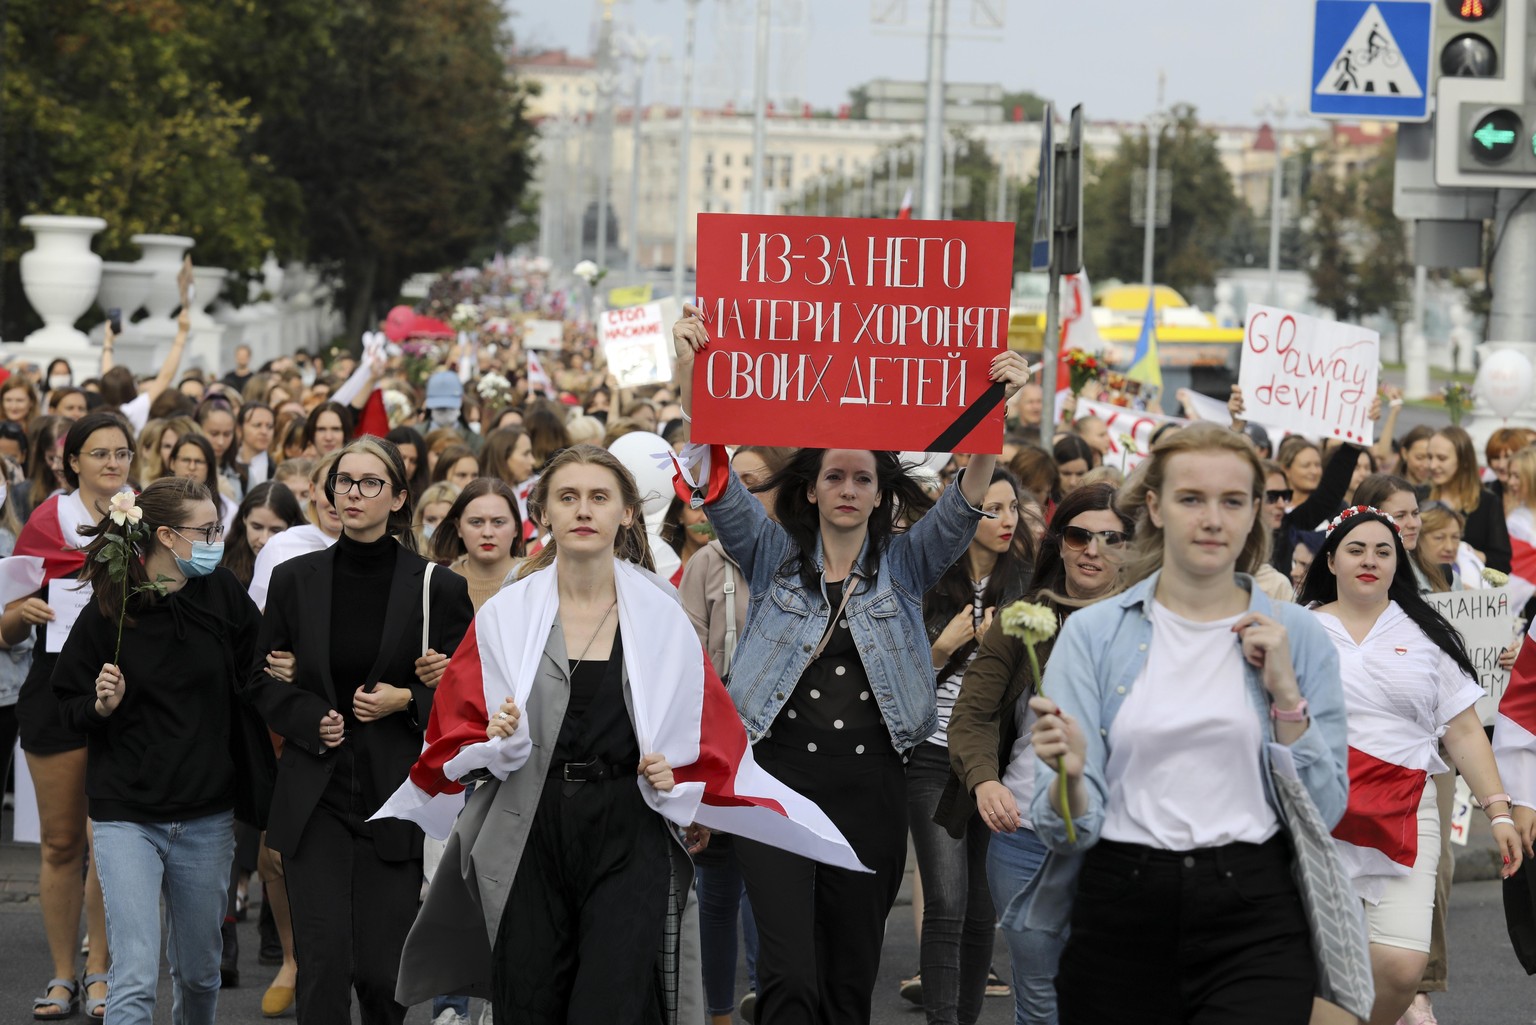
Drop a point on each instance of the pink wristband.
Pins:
(1297, 714)
(1484, 802)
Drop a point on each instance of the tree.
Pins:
(1032, 104)
(1358, 248)
(1187, 252)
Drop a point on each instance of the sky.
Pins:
(1225, 57)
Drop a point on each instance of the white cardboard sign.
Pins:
(66, 596)
(1309, 376)
(637, 342)
(548, 335)
(1486, 621)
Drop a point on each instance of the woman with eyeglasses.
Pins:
(193, 457)
(352, 720)
(989, 737)
(1454, 480)
(96, 461)
(1408, 681)
(173, 758)
(948, 836)
(831, 681)
(1161, 706)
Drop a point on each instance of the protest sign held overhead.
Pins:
(1309, 376)
(852, 332)
(637, 342)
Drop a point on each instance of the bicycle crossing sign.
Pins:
(1370, 59)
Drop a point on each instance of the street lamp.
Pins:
(685, 132)
(1275, 110)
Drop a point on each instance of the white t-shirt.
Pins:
(1019, 773)
(289, 544)
(136, 411)
(1400, 689)
(1184, 766)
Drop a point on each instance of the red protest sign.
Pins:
(850, 332)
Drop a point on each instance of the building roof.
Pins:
(552, 60)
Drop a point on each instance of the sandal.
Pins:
(96, 1007)
(71, 1006)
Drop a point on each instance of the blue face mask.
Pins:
(205, 558)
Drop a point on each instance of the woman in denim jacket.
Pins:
(833, 680)
(1158, 703)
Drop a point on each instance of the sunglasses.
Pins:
(1278, 495)
(1078, 538)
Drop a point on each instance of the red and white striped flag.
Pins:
(905, 213)
(1514, 730)
(537, 378)
(681, 710)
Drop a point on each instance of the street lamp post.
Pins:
(639, 50)
(1149, 238)
(1275, 110)
(933, 121)
(685, 131)
(760, 112)
(604, 143)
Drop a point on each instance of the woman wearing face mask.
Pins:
(481, 537)
(255, 427)
(352, 721)
(322, 530)
(96, 462)
(435, 503)
(714, 593)
(949, 837)
(989, 735)
(833, 550)
(1453, 474)
(266, 511)
(60, 376)
(171, 758)
(1159, 705)
(1407, 681)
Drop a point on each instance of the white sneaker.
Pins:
(450, 1017)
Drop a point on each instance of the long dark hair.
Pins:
(399, 523)
(202, 444)
(239, 558)
(312, 422)
(447, 545)
(1322, 586)
(230, 460)
(955, 590)
(412, 437)
(80, 432)
(802, 521)
(1379, 487)
(1050, 570)
(164, 504)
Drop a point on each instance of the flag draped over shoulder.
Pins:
(1514, 730)
(681, 710)
(52, 534)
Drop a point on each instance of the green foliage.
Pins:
(1188, 251)
(1358, 247)
(1033, 104)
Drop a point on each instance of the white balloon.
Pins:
(1504, 381)
(644, 455)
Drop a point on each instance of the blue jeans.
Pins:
(1013, 859)
(721, 892)
(460, 1005)
(188, 864)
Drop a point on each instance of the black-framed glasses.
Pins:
(368, 487)
(1078, 538)
(208, 534)
(1277, 495)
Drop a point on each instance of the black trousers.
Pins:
(581, 937)
(820, 929)
(351, 911)
(1216, 936)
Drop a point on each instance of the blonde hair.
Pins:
(1522, 468)
(632, 543)
(585, 430)
(317, 475)
(1146, 554)
(442, 491)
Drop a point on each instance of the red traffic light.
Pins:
(1473, 10)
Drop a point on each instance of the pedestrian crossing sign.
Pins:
(1370, 59)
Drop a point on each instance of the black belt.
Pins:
(589, 771)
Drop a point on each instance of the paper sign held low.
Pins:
(851, 332)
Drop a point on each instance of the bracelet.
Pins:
(1396, 403)
(1501, 818)
(1484, 802)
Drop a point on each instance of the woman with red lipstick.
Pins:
(481, 538)
(1407, 681)
(957, 923)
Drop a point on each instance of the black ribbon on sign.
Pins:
(967, 422)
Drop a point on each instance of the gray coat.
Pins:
(443, 953)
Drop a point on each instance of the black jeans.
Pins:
(820, 929)
(958, 918)
(1215, 936)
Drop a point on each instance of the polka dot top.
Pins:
(831, 710)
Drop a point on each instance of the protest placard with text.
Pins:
(637, 342)
(1309, 376)
(851, 332)
(1130, 430)
(1486, 621)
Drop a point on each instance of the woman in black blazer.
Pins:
(353, 719)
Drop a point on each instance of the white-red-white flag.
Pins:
(1514, 729)
(537, 378)
(680, 707)
(905, 213)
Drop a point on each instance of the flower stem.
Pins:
(1061, 771)
(122, 613)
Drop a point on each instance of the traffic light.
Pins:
(1485, 116)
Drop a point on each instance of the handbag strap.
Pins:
(849, 583)
(730, 615)
(426, 607)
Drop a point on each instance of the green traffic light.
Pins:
(1490, 136)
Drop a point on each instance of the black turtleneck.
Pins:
(359, 598)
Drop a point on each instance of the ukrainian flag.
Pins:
(1144, 365)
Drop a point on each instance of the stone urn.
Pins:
(162, 257)
(60, 275)
(209, 282)
(123, 287)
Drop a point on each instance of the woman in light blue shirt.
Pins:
(1160, 704)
